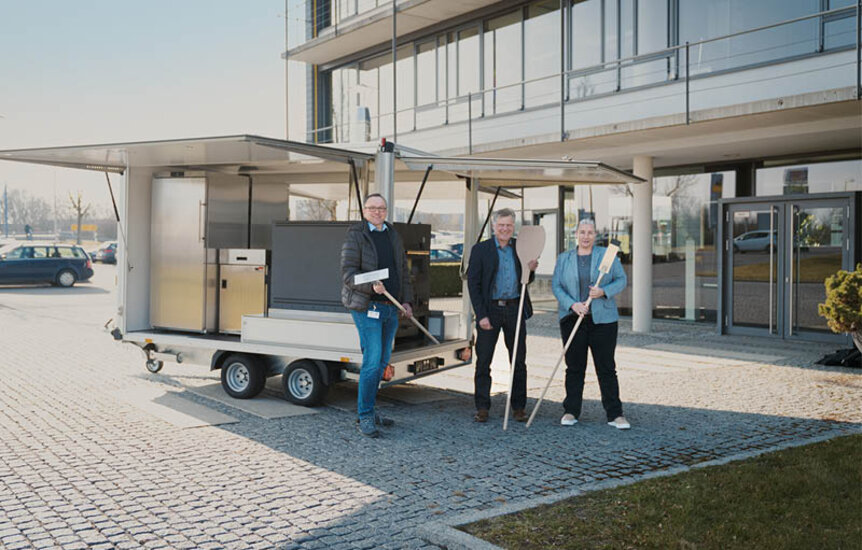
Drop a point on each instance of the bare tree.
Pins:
(25, 209)
(80, 211)
(316, 209)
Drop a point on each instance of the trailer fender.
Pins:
(218, 359)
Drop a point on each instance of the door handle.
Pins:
(771, 261)
(224, 283)
(794, 212)
(201, 220)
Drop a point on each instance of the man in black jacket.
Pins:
(370, 245)
(494, 282)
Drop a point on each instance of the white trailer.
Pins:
(194, 213)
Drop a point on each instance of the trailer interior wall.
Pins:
(133, 280)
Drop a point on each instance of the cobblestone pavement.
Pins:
(80, 468)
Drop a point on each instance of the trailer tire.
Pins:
(242, 376)
(154, 365)
(303, 383)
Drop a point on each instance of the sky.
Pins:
(108, 71)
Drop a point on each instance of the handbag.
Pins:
(388, 373)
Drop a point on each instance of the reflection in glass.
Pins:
(825, 177)
(817, 253)
(685, 219)
(702, 19)
(587, 48)
(754, 252)
(503, 65)
(542, 50)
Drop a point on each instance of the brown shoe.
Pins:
(481, 415)
(520, 415)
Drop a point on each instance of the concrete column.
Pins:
(642, 247)
(471, 230)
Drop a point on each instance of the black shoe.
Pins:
(383, 421)
(367, 428)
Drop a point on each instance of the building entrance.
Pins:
(777, 253)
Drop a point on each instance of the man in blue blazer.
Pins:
(494, 282)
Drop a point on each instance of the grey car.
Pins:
(755, 241)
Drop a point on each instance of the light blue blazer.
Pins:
(566, 285)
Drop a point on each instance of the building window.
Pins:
(805, 179)
(503, 63)
(429, 111)
(594, 32)
(368, 94)
(703, 19)
(542, 49)
(685, 218)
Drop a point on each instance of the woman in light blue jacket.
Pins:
(574, 281)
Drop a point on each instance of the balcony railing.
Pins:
(682, 63)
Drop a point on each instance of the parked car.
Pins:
(58, 264)
(106, 254)
(444, 255)
(754, 241)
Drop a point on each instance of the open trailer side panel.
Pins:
(133, 266)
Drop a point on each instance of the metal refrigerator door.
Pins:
(177, 254)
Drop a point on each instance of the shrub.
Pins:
(843, 306)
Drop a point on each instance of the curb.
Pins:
(446, 535)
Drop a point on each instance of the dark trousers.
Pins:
(602, 341)
(505, 318)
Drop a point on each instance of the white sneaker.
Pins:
(620, 423)
(568, 420)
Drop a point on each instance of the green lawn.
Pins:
(804, 497)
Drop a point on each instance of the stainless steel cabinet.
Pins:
(180, 276)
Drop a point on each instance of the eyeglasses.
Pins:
(376, 208)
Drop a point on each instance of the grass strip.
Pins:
(803, 497)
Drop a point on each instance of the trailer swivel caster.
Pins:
(154, 365)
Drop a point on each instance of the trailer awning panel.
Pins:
(523, 172)
(236, 154)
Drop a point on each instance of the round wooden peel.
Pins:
(529, 246)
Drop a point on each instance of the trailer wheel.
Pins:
(242, 376)
(154, 365)
(303, 383)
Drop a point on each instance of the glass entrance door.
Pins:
(753, 266)
(818, 248)
(778, 255)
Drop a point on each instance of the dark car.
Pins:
(106, 254)
(58, 264)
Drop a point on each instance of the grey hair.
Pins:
(587, 221)
(503, 213)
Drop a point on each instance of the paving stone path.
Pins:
(80, 468)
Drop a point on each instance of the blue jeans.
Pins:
(376, 337)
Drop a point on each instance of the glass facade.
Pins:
(806, 179)
(512, 61)
(685, 218)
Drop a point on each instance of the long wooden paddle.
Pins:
(531, 242)
(604, 268)
(379, 276)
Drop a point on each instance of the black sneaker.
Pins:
(367, 428)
